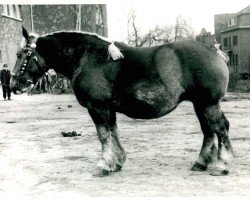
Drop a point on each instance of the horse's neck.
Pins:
(62, 58)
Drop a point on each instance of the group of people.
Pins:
(5, 76)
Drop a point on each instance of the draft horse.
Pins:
(146, 83)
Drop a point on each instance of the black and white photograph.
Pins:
(129, 98)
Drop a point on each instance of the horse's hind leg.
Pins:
(208, 151)
(113, 154)
(213, 121)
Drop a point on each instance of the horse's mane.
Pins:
(80, 32)
(113, 50)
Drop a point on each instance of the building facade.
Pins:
(235, 40)
(220, 24)
(11, 20)
(43, 19)
(50, 18)
(206, 38)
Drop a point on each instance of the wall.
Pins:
(234, 48)
(51, 18)
(244, 35)
(206, 38)
(245, 20)
(26, 16)
(242, 49)
(10, 37)
(220, 24)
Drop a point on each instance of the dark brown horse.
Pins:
(142, 83)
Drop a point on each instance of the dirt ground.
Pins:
(36, 161)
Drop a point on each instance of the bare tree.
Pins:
(183, 29)
(86, 15)
(160, 35)
(157, 34)
(134, 37)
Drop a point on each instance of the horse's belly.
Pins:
(145, 111)
(147, 103)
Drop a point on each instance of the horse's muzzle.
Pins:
(14, 88)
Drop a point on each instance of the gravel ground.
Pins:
(36, 161)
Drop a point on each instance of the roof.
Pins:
(240, 24)
(244, 11)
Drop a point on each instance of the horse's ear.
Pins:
(25, 34)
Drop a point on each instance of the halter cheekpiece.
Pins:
(30, 48)
(24, 65)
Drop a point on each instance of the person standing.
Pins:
(5, 81)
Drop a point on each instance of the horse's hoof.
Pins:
(218, 169)
(198, 167)
(219, 172)
(99, 172)
(118, 168)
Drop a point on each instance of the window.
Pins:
(231, 62)
(235, 40)
(230, 59)
(236, 59)
(98, 18)
(225, 42)
(12, 11)
(233, 59)
(231, 22)
(230, 43)
(1, 61)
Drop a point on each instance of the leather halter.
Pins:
(21, 71)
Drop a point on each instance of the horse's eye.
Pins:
(29, 53)
(18, 55)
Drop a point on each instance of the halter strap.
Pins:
(40, 68)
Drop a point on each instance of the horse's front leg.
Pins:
(113, 154)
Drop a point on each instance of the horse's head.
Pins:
(30, 66)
